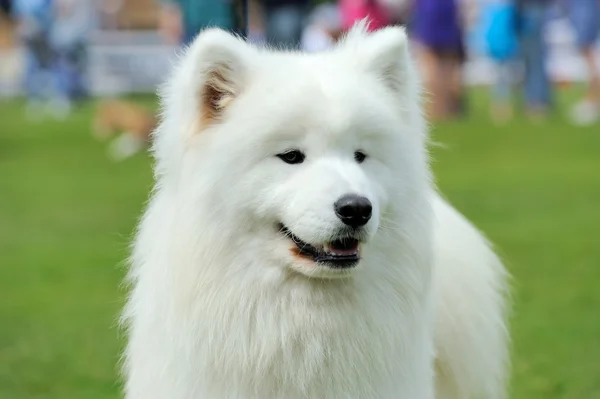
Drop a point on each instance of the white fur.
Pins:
(221, 309)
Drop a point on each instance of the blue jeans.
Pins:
(39, 83)
(585, 18)
(534, 50)
(69, 69)
(505, 81)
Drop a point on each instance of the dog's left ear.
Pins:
(383, 52)
(222, 69)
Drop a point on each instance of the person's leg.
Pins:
(587, 110)
(501, 107)
(61, 76)
(537, 82)
(35, 83)
(61, 99)
(593, 90)
(256, 22)
(78, 72)
(456, 103)
(445, 95)
(32, 70)
(585, 18)
(431, 66)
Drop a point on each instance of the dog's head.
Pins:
(302, 159)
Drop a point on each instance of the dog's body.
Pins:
(295, 246)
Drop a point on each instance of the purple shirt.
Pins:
(436, 24)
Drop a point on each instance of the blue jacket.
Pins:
(500, 30)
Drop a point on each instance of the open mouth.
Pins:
(340, 254)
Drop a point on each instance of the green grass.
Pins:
(66, 216)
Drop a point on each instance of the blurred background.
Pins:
(513, 93)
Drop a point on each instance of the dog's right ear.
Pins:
(221, 69)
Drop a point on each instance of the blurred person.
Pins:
(7, 26)
(35, 21)
(256, 22)
(533, 15)
(585, 18)
(284, 21)
(181, 20)
(397, 12)
(323, 30)
(498, 20)
(458, 94)
(109, 10)
(353, 11)
(69, 36)
(10, 58)
(6, 7)
(436, 27)
(240, 17)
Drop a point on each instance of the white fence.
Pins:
(128, 63)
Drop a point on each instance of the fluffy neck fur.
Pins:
(274, 334)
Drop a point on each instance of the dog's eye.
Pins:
(359, 156)
(292, 156)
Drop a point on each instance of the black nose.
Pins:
(353, 210)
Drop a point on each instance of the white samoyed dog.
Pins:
(295, 247)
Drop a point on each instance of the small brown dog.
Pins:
(132, 122)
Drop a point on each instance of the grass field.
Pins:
(66, 216)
